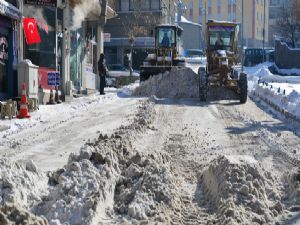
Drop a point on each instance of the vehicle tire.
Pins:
(202, 84)
(243, 87)
(142, 77)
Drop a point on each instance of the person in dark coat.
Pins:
(165, 41)
(102, 69)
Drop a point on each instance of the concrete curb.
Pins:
(286, 113)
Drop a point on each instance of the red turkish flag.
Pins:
(31, 31)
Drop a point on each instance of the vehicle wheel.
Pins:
(202, 84)
(142, 77)
(235, 74)
(243, 87)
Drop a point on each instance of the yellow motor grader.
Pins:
(166, 56)
(222, 60)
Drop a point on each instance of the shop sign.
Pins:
(51, 3)
(53, 78)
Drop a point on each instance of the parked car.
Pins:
(253, 56)
(117, 70)
(194, 56)
(270, 55)
(118, 76)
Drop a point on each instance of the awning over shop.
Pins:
(9, 10)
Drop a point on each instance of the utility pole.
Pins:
(205, 8)
(264, 31)
(66, 84)
(20, 31)
(242, 35)
(169, 13)
(179, 12)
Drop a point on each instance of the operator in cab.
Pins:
(219, 45)
(165, 41)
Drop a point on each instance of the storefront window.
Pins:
(91, 47)
(4, 46)
(76, 57)
(43, 54)
(3, 60)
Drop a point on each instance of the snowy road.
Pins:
(194, 134)
(49, 141)
(165, 161)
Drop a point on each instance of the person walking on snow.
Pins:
(102, 69)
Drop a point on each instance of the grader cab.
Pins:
(166, 55)
(222, 61)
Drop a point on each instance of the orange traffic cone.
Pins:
(23, 105)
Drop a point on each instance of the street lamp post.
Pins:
(242, 31)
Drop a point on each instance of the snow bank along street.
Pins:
(154, 154)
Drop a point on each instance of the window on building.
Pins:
(200, 3)
(234, 16)
(209, 3)
(133, 5)
(145, 5)
(124, 5)
(191, 10)
(155, 4)
(219, 3)
(200, 19)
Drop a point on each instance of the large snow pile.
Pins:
(242, 191)
(292, 189)
(281, 92)
(107, 182)
(287, 101)
(145, 184)
(21, 183)
(11, 214)
(177, 83)
(110, 180)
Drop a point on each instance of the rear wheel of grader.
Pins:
(243, 86)
(202, 84)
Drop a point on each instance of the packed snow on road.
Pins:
(154, 154)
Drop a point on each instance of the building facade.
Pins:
(72, 40)
(132, 29)
(256, 16)
(10, 49)
(296, 11)
(275, 10)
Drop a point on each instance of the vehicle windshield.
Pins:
(221, 37)
(165, 37)
(116, 67)
(193, 53)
